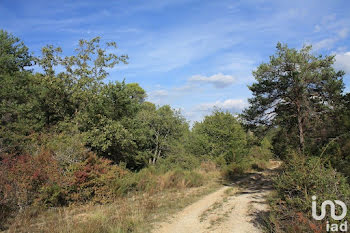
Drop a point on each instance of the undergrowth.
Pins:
(303, 177)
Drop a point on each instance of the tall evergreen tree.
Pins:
(17, 110)
(294, 90)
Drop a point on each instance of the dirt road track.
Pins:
(236, 208)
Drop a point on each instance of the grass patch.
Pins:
(132, 212)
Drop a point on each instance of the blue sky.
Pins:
(191, 54)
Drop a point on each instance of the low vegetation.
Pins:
(78, 154)
(137, 200)
(301, 179)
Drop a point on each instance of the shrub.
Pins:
(94, 179)
(67, 148)
(53, 195)
(22, 179)
(220, 161)
(183, 161)
(208, 166)
(180, 178)
(301, 179)
(339, 153)
(24, 175)
(232, 170)
(152, 180)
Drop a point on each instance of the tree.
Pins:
(110, 139)
(295, 91)
(161, 127)
(219, 134)
(114, 101)
(337, 149)
(32, 103)
(18, 113)
(14, 55)
(83, 72)
(107, 121)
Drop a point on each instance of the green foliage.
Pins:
(153, 180)
(338, 147)
(114, 101)
(300, 180)
(261, 154)
(220, 134)
(53, 98)
(234, 170)
(157, 129)
(184, 161)
(52, 195)
(221, 137)
(17, 110)
(110, 139)
(296, 91)
(304, 177)
(257, 159)
(14, 55)
(65, 143)
(339, 156)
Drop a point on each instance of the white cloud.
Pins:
(240, 65)
(328, 18)
(232, 105)
(343, 33)
(328, 43)
(185, 88)
(343, 61)
(158, 96)
(159, 93)
(330, 25)
(317, 28)
(218, 80)
(325, 44)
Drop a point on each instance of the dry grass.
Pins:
(133, 213)
(217, 209)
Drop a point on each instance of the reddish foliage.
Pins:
(27, 180)
(308, 224)
(21, 177)
(93, 179)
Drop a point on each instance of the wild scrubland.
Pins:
(79, 154)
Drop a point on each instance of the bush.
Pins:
(53, 195)
(28, 181)
(301, 179)
(67, 148)
(152, 180)
(339, 153)
(220, 161)
(180, 178)
(183, 161)
(22, 179)
(208, 166)
(94, 179)
(232, 170)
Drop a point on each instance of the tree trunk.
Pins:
(156, 151)
(301, 130)
(159, 152)
(155, 156)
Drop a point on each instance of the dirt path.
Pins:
(236, 208)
